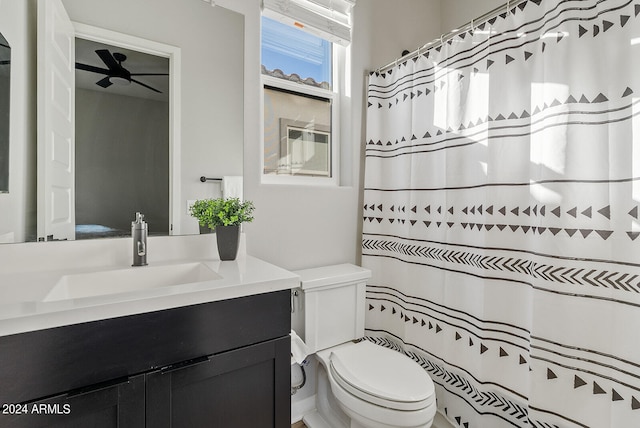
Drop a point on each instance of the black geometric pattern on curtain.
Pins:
(501, 216)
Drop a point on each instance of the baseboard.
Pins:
(441, 422)
(314, 420)
(299, 408)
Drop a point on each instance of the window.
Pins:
(293, 51)
(302, 46)
(304, 146)
(298, 101)
(307, 150)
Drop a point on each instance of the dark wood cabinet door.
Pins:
(246, 387)
(117, 405)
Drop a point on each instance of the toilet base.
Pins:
(361, 421)
(328, 413)
(331, 414)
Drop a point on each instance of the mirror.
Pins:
(5, 81)
(207, 117)
(122, 140)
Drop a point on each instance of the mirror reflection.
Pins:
(134, 157)
(122, 140)
(5, 81)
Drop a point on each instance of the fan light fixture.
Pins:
(115, 72)
(119, 81)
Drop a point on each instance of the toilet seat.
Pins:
(381, 376)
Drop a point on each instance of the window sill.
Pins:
(297, 180)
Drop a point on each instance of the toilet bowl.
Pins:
(378, 387)
(375, 387)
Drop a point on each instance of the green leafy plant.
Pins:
(222, 212)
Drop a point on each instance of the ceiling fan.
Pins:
(116, 73)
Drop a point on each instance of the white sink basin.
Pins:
(127, 280)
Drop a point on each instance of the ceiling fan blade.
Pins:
(105, 83)
(91, 68)
(149, 74)
(146, 86)
(108, 59)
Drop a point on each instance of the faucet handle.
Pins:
(139, 218)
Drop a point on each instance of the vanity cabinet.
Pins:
(232, 389)
(216, 364)
(119, 404)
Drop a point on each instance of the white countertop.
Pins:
(22, 293)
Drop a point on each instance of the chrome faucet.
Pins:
(139, 232)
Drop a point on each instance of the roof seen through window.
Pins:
(294, 51)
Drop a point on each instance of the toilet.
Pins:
(359, 384)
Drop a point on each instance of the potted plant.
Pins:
(224, 216)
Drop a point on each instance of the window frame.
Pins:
(334, 95)
(289, 125)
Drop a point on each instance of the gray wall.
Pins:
(122, 160)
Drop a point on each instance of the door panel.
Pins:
(119, 405)
(56, 111)
(247, 387)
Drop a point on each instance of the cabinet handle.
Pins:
(97, 387)
(183, 364)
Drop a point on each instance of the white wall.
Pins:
(295, 227)
(456, 13)
(398, 25)
(303, 226)
(17, 208)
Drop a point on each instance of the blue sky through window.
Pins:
(295, 51)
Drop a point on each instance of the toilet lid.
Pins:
(382, 376)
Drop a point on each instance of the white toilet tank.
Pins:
(334, 304)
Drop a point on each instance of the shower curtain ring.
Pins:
(508, 6)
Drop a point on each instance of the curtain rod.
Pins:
(447, 36)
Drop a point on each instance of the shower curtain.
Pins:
(501, 216)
